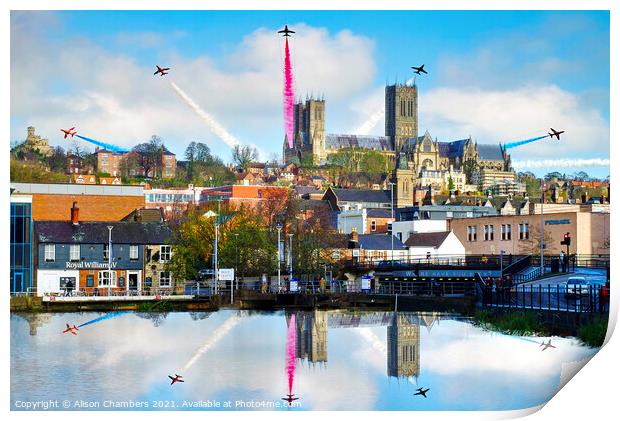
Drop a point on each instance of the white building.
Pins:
(405, 229)
(434, 245)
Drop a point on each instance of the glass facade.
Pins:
(21, 247)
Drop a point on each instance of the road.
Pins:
(592, 276)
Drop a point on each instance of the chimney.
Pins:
(75, 211)
(584, 198)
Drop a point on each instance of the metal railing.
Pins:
(590, 299)
(429, 288)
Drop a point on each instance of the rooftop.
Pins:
(97, 232)
(427, 239)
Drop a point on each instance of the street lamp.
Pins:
(110, 227)
(290, 256)
(542, 226)
(236, 263)
(279, 228)
(392, 230)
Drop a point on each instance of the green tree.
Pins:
(450, 184)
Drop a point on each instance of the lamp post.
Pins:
(236, 263)
(110, 227)
(392, 230)
(542, 226)
(279, 228)
(290, 256)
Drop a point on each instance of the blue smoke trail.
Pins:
(523, 142)
(103, 144)
(107, 316)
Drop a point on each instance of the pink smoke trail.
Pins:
(288, 96)
(290, 353)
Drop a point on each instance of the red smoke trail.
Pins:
(290, 353)
(288, 96)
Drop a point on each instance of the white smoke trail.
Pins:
(219, 333)
(213, 125)
(561, 163)
(374, 118)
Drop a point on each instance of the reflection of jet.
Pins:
(176, 379)
(70, 329)
(419, 70)
(286, 31)
(290, 398)
(421, 391)
(161, 70)
(546, 345)
(69, 132)
(555, 133)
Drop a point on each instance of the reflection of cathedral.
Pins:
(35, 320)
(311, 332)
(403, 345)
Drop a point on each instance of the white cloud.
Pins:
(115, 98)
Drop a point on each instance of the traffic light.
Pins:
(566, 240)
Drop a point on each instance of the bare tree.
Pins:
(149, 154)
(244, 155)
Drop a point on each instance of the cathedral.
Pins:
(411, 157)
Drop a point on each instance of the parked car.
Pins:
(577, 286)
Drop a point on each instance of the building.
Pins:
(405, 229)
(519, 234)
(443, 212)
(311, 337)
(403, 347)
(484, 165)
(375, 247)
(35, 143)
(21, 278)
(130, 164)
(97, 203)
(75, 256)
(365, 221)
(434, 244)
(346, 199)
(74, 164)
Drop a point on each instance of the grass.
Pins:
(593, 333)
(512, 323)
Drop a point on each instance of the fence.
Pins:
(585, 299)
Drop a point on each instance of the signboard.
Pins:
(366, 283)
(226, 274)
(294, 286)
(356, 252)
(557, 222)
(89, 265)
(459, 273)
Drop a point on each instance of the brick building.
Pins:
(97, 203)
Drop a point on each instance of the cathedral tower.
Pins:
(401, 114)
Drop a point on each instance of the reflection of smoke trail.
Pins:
(560, 163)
(219, 333)
(99, 319)
(374, 118)
(290, 353)
(288, 96)
(523, 142)
(213, 125)
(103, 144)
(373, 339)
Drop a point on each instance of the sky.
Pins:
(497, 76)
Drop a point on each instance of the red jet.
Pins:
(70, 329)
(69, 132)
(161, 70)
(555, 133)
(176, 379)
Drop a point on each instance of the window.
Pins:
(373, 225)
(524, 231)
(74, 252)
(165, 279)
(106, 249)
(488, 233)
(50, 252)
(506, 231)
(133, 252)
(164, 254)
(472, 233)
(104, 278)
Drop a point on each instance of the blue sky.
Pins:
(495, 75)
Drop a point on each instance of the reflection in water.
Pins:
(102, 318)
(129, 358)
(290, 353)
(214, 339)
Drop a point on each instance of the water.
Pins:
(345, 361)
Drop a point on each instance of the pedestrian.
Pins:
(562, 261)
(566, 266)
(322, 285)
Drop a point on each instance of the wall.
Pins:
(406, 228)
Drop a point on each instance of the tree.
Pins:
(581, 175)
(450, 184)
(149, 154)
(532, 244)
(243, 156)
(57, 161)
(552, 175)
(374, 164)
